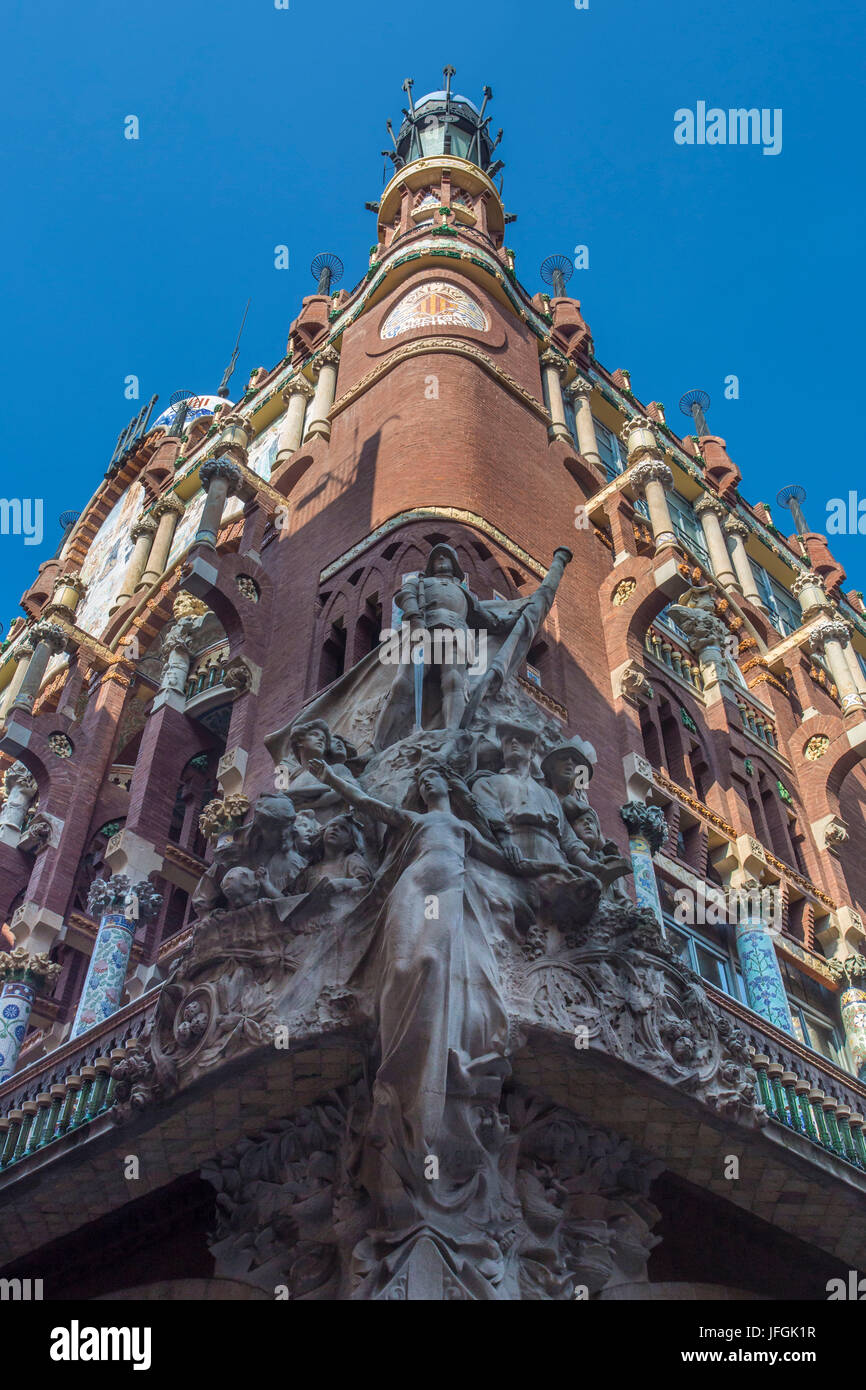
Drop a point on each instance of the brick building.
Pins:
(238, 559)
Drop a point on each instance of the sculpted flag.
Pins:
(516, 646)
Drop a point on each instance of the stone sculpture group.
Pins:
(427, 878)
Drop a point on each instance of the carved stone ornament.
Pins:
(651, 470)
(434, 830)
(220, 816)
(634, 684)
(834, 630)
(237, 676)
(816, 747)
(623, 592)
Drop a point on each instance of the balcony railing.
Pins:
(72, 1088)
(801, 1090)
(758, 723)
(69, 1089)
(662, 648)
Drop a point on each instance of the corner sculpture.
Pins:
(429, 887)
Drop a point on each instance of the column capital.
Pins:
(647, 821)
(328, 357)
(833, 630)
(144, 526)
(551, 358)
(168, 503)
(55, 637)
(651, 470)
(19, 776)
(221, 467)
(20, 966)
(709, 504)
(808, 579)
(640, 435)
(298, 386)
(117, 894)
(735, 526)
(580, 388)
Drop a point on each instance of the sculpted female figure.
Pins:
(311, 743)
(442, 1026)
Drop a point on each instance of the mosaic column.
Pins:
(649, 472)
(852, 1006)
(22, 977)
(762, 975)
(551, 369)
(326, 389)
(48, 640)
(220, 478)
(297, 395)
(738, 532)
(829, 640)
(647, 832)
(121, 907)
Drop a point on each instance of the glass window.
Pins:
(783, 608)
(711, 962)
(687, 526)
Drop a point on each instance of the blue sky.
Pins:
(261, 126)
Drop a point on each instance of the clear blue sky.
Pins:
(262, 126)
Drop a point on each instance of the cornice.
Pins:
(423, 347)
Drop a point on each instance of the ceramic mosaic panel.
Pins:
(434, 304)
(106, 560)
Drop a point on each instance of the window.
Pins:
(783, 608)
(813, 1007)
(709, 958)
(688, 527)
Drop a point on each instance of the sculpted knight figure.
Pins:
(439, 605)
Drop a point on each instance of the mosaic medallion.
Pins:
(434, 305)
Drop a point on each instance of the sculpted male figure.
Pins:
(528, 818)
(437, 602)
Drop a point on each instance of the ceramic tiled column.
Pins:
(762, 975)
(739, 532)
(120, 907)
(22, 977)
(297, 396)
(647, 832)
